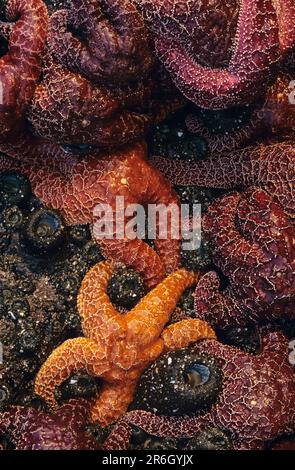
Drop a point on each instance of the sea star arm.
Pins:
(185, 332)
(155, 425)
(218, 171)
(120, 438)
(229, 141)
(227, 239)
(254, 54)
(269, 166)
(218, 308)
(72, 356)
(276, 345)
(46, 180)
(275, 116)
(132, 251)
(100, 320)
(264, 221)
(147, 319)
(167, 426)
(136, 254)
(21, 66)
(121, 380)
(112, 402)
(29, 154)
(285, 10)
(155, 191)
(139, 183)
(76, 410)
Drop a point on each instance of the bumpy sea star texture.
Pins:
(276, 116)
(221, 54)
(94, 95)
(70, 109)
(76, 187)
(252, 243)
(30, 429)
(117, 347)
(116, 26)
(20, 67)
(254, 407)
(69, 105)
(268, 166)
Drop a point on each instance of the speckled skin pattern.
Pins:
(123, 53)
(253, 36)
(75, 187)
(256, 403)
(70, 109)
(276, 116)
(252, 243)
(30, 429)
(20, 67)
(118, 348)
(268, 166)
(89, 94)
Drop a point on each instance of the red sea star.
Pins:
(20, 67)
(30, 429)
(117, 347)
(251, 235)
(259, 32)
(255, 406)
(253, 244)
(76, 187)
(268, 166)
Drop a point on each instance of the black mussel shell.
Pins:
(179, 383)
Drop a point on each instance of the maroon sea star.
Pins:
(124, 52)
(76, 187)
(70, 109)
(268, 166)
(253, 244)
(20, 67)
(92, 94)
(221, 54)
(100, 96)
(30, 429)
(255, 405)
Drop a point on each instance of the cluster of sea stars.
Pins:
(231, 63)
(64, 182)
(254, 406)
(80, 88)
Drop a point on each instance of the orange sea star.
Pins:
(116, 347)
(75, 187)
